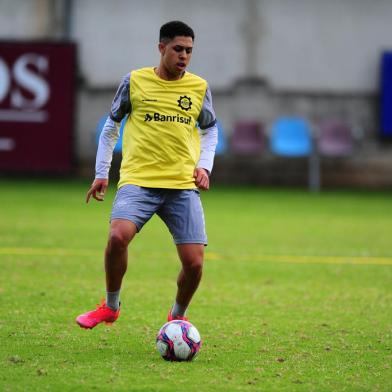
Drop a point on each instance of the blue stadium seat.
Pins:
(291, 137)
(221, 147)
(101, 123)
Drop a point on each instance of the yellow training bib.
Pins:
(161, 143)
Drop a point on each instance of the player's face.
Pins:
(176, 55)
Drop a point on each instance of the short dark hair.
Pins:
(174, 29)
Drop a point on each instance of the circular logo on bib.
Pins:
(184, 103)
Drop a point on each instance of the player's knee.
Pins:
(194, 266)
(117, 240)
(192, 260)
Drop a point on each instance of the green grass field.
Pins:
(296, 294)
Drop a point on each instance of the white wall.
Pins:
(300, 45)
(23, 19)
(330, 45)
(124, 35)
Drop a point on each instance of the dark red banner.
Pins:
(37, 88)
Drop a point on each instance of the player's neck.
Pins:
(164, 74)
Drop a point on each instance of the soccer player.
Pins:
(166, 160)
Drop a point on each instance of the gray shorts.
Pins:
(180, 209)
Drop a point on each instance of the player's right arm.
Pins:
(121, 107)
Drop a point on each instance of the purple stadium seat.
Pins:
(335, 139)
(248, 137)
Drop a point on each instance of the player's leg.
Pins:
(192, 258)
(183, 214)
(121, 233)
(132, 208)
(116, 254)
(116, 260)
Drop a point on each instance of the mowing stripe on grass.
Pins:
(297, 259)
(48, 252)
(213, 256)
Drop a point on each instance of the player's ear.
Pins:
(161, 48)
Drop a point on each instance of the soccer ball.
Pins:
(178, 340)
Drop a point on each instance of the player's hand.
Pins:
(202, 180)
(97, 189)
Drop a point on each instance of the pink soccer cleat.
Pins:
(101, 314)
(171, 318)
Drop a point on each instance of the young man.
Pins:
(164, 164)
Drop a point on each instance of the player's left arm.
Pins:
(208, 142)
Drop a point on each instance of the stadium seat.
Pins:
(100, 125)
(292, 137)
(221, 147)
(335, 139)
(248, 137)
